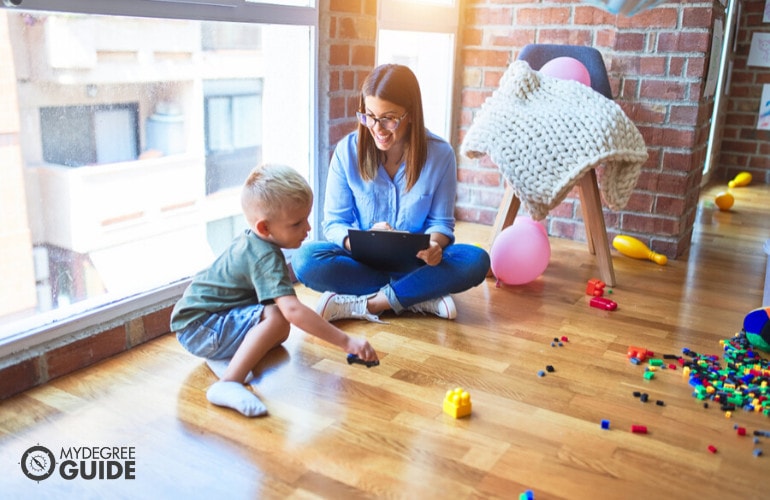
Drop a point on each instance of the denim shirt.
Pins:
(352, 202)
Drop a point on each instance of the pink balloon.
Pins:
(521, 252)
(567, 68)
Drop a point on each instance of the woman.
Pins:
(390, 174)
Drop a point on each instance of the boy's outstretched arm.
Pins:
(307, 319)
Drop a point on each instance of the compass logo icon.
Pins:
(38, 463)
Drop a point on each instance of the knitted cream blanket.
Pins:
(544, 133)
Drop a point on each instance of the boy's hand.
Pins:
(362, 349)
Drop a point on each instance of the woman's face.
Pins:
(386, 139)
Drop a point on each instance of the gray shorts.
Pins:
(220, 334)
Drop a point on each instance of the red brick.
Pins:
(484, 177)
(652, 66)
(352, 6)
(339, 130)
(696, 17)
(19, 377)
(649, 224)
(157, 323)
(337, 106)
(566, 36)
(664, 16)
(474, 99)
(488, 16)
(339, 55)
(362, 55)
(472, 36)
(542, 15)
(684, 115)
(85, 352)
(684, 42)
(593, 16)
(640, 202)
(669, 205)
(492, 78)
(675, 161)
(356, 28)
(494, 58)
(630, 42)
(662, 89)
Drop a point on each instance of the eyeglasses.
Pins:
(385, 122)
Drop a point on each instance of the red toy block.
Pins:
(595, 287)
(639, 429)
(639, 353)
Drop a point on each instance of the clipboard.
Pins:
(387, 250)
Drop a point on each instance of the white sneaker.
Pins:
(332, 306)
(443, 307)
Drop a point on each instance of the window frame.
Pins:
(85, 318)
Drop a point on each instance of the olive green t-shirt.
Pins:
(251, 270)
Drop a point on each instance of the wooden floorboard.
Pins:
(341, 431)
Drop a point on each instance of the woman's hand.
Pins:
(431, 255)
(381, 226)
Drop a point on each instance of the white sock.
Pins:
(234, 395)
(219, 366)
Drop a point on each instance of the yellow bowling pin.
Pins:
(632, 247)
(740, 180)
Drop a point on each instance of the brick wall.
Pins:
(348, 31)
(657, 62)
(744, 148)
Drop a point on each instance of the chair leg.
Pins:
(596, 230)
(509, 207)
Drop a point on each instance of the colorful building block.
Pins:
(595, 287)
(457, 403)
(603, 303)
(640, 353)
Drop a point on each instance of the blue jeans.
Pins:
(220, 334)
(325, 266)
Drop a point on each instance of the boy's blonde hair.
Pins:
(270, 189)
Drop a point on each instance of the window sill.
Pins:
(38, 353)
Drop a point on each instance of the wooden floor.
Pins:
(340, 431)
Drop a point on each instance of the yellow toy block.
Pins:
(457, 403)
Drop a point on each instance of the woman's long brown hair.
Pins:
(396, 84)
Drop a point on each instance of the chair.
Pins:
(536, 55)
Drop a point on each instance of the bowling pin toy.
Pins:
(740, 180)
(632, 247)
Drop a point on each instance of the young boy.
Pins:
(244, 304)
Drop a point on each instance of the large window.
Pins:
(126, 130)
(422, 34)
